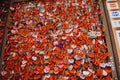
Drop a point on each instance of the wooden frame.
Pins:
(110, 41)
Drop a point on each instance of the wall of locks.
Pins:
(56, 40)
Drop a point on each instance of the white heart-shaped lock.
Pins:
(23, 65)
(92, 71)
(104, 73)
(73, 46)
(46, 71)
(64, 38)
(83, 61)
(93, 41)
(43, 10)
(47, 76)
(38, 5)
(34, 58)
(82, 76)
(36, 51)
(76, 57)
(69, 51)
(71, 60)
(13, 31)
(40, 14)
(41, 52)
(76, 26)
(100, 41)
(46, 57)
(82, 48)
(68, 30)
(70, 67)
(55, 42)
(71, 34)
(66, 78)
(103, 65)
(86, 73)
(61, 32)
(24, 62)
(109, 64)
(33, 46)
(3, 73)
(85, 47)
(35, 35)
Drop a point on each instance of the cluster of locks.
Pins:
(56, 40)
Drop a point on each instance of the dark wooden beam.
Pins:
(4, 36)
(18, 0)
(111, 41)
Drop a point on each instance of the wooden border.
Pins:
(18, 0)
(111, 42)
(4, 37)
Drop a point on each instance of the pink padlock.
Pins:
(100, 12)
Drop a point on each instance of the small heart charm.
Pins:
(24, 62)
(47, 68)
(71, 60)
(36, 72)
(70, 50)
(60, 65)
(34, 58)
(100, 12)
(28, 56)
